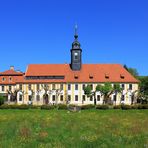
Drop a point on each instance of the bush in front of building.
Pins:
(6, 106)
(126, 107)
(62, 107)
(117, 107)
(102, 107)
(35, 106)
(48, 107)
(2, 100)
(143, 106)
(88, 106)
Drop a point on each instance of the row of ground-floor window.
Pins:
(53, 99)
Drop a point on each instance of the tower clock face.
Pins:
(76, 55)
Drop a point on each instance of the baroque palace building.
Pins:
(64, 83)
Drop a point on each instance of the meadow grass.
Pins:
(59, 128)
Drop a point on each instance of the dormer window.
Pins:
(107, 76)
(3, 79)
(10, 79)
(76, 76)
(121, 76)
(91, 76)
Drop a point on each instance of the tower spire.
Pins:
(76, 31)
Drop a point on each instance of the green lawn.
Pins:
(90, 128)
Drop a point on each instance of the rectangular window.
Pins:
(83, 86)
(122, 98)
(114, 97)
(83, 97)
(130, 86)
(91, 85)
(38, 86)
(20, 87)
(38, 97)
(29, 86)
(9, 88)
(69, 87)
(76, 97)
(76, 86)
(98, 97)
(3, 88)
(20, 97)
(61, 98)
(61, 86)
(123, 86)
(91, 98)
(30, 98)
(53, 98)
(69, 97)
(53, 86)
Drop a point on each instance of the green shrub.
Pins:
(47, 107)
(5, 106)
(34, 106)
(89, 106)
(117, 107)
(2, 100)
(143, 106)
(103, 107)
(126, 107)
(62, 107)
(134, 106)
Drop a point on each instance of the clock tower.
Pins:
(76, 53)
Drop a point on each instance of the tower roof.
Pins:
(76, 44)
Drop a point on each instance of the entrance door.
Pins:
(46, 99)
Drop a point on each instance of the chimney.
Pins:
(11, 67)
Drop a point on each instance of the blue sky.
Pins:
(41, 31)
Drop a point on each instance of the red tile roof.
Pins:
(90, 73)
(97, 72)
(10, 73)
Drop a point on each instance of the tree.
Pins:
(132, 71)
(106, 90)
(143, 96)
(2, 100)
(90, 93)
